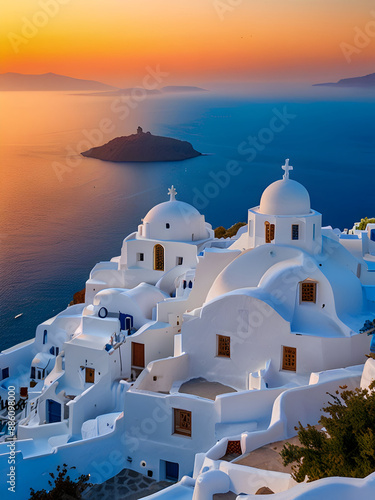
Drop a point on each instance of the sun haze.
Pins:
(193, 40)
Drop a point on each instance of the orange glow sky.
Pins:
(114, 40)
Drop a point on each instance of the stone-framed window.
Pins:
(289, 360)
(182, 422)
(223, 346)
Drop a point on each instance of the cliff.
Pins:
(143, 147)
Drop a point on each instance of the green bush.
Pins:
(63, 487)
(362, 225)
(346, 444)
(221, 232)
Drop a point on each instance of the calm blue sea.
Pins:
(54, 229)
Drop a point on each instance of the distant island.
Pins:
(47, 81)
(143, 147)
(171, 89)
(367, 81)
(53, 81)
(182, 88)
(127, 92)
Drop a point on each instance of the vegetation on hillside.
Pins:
(345, 446)
(78, 297)
(63, 487)
(362, 225)
(221, 232)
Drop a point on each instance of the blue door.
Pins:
(53, 411)
(171, 471)
(126, 321)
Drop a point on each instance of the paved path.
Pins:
(127, 485)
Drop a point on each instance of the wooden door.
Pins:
(138, 355)
(90, 375)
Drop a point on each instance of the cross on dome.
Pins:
(287, 168)
(172, 193)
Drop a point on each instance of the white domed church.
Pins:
(165, 246)
(284, 217)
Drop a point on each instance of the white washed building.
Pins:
(186, 340)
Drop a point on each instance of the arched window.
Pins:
(159, 258)
(269, 232)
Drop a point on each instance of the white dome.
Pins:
(285, 197)
(175, 221)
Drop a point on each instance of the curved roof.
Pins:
(285, 197)
(175, 221)
(249, 268)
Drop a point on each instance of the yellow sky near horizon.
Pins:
(193, 40)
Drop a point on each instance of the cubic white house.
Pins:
(188, 347)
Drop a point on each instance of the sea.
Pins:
(62, 213)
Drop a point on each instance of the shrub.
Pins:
(362, 225)
(221, 232)
(63, 487)
(346, 444)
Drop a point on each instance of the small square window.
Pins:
(180, 261)
(223, 346)
(5, 373)
(289, 358)
(308, 291)
(234, 448)
(295, 231)
(182, 422)
(167, 225)
(140, 257)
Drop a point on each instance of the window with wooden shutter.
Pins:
(308, 291)
(158, 258)
(269, 232)
(289, 358)
(182, 422)
(223, 346)
(234, 448)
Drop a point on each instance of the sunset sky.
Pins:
(195, 41)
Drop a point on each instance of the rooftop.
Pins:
(205, 389)
(268, 457)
